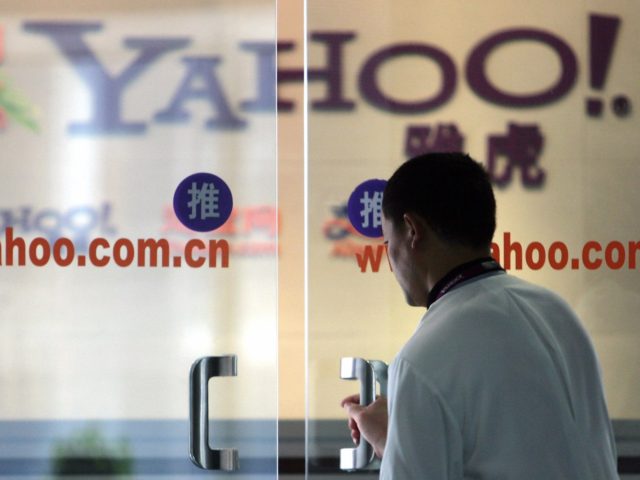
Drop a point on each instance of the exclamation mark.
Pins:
(603, 31)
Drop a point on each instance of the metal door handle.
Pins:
(368, 372)
(380, 370)
(201, 454)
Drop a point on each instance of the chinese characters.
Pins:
(520, 148)
(371, 213)
(206, 197)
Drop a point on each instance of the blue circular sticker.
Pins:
(202, 202)
(365, 207)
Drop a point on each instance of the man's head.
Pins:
(450, 191)
(438, 211)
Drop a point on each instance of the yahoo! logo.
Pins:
(603, 32)
(79, 222)
(201, 82)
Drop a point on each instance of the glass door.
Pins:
(357, 319)
(542, 96)
(139, 237)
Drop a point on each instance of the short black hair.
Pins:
(450, 191)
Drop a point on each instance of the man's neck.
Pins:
(451, 259)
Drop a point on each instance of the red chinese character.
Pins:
(229, 227)
(261, 218)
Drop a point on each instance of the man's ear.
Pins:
(416, 229)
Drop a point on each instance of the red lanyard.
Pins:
(460, 274)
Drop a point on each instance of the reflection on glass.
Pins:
(95, 354)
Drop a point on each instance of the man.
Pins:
(499, 380)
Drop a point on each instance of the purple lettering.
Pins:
(11, 219)
(372, 92)
(424, 139)
(106, 89)
(482, 86)
(201, 68)
(521, 148)
(331, 74)
(265, 100)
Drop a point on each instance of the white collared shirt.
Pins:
(498, 382)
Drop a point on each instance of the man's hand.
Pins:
(369, 421)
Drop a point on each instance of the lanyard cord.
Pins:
(461, 273)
